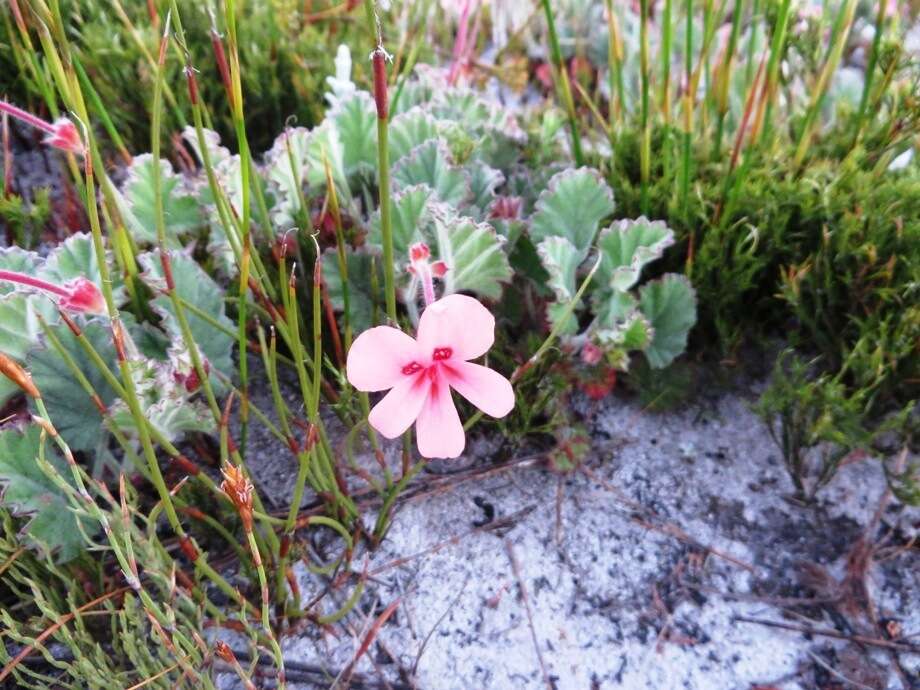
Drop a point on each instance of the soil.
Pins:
(675, 557)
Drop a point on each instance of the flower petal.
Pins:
(458, 322)
(485, 388)
(440, 433)
(377, 357)
(401, 406)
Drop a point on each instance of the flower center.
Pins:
(439, 355)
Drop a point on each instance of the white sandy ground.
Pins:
(615, 604)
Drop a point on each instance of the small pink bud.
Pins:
(426, 272)
(64, 136)
(591, 354)
(82, 295)
(506, 208)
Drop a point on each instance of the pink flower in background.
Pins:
(419, 372)
(79, 295)
(62, 133)
(82, 295)
(424, 270)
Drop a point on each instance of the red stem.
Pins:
(26, 117)
(23, 279)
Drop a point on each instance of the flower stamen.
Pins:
(442, 353)
(411, 368)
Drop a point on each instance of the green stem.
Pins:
(564, 86)
(688, 109)
(844, 23)
(777, 47)
(870, 70)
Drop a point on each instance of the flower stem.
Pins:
(30, 281)
(381, 100)
(26, 117)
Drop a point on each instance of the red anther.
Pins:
(441, 353)
(71, 324)
(184, 580)
(221, 59)
(193, 513)
(118, 339)
(412, 368)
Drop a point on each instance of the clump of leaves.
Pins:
(34, 335)
(656, 319)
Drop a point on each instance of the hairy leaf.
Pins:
(430, 164)
(474, 255)
(573, 206)
(27, 492)
(297, 159)
(197, 288)
(19, 329)
(73, 412)
(670, 306)
(137, 202)
(484, 180)
(355, 118)
(561, 261)
(410, 129)
(626, 246)
(410, 217)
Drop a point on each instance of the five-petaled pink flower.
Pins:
(421, 371)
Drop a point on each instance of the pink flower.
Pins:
(64, 135)
(591, 354)
(82, 295)
(79, 294)
(421, 371)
